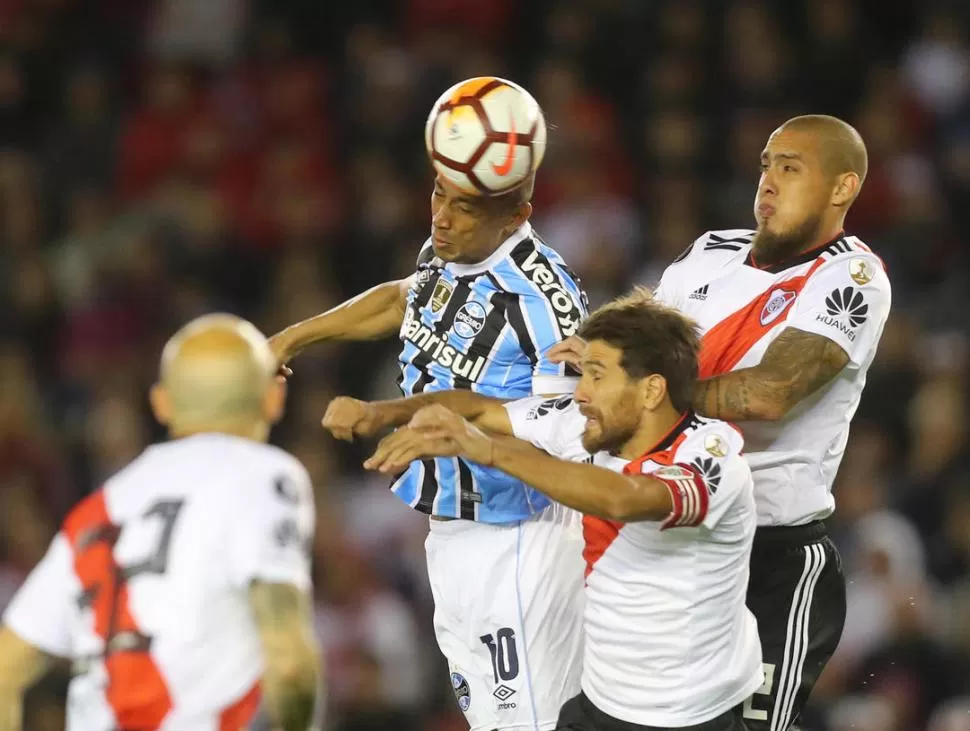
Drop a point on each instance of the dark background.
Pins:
(163, 159)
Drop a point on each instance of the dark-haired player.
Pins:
(487, 302)
(669, 517)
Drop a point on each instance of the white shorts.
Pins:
(508, 616)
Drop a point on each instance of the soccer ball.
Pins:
(486, 135)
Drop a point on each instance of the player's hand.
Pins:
(348, 417)
(437, 422)
(569, 351)
(397, 450)
(281, 349)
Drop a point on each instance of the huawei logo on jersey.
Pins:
(777, 303)
(848, 304)
(847, 310)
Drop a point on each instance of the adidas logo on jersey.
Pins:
(847, 310)
(699, 294)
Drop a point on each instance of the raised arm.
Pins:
(21, 664)
(374, 314)
(437, 432)
(795, 365)
(348, 417)
(283, 619)
(584, 487)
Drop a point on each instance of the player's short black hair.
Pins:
(654, 339)
(509, 202)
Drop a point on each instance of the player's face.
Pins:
(465, 228)
(608, 398)
(793, 194)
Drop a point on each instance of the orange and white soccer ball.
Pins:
(486, 135)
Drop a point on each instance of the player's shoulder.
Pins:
(713, 448)
(207, 461)
(267, 462)
(263, 476)
(533, 263)
(542, 408)
(851, 256)
(536, 274)
(715, 247)
(716, 438)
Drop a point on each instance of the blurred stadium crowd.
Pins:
(163, 159)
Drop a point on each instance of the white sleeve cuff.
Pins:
(554, 385)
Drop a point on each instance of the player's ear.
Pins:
(274, 400)
(654, 390)
(523, 212)
(161, 404)
(519, 215)
(846, 189)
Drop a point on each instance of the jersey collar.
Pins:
(686, 419)
(796, 260)
(518, 236)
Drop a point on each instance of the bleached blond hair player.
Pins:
(181, 589)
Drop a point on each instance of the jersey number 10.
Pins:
(505, 658)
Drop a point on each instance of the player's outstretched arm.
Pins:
(795, 365)
(348, 417)
(374, 314)
(21, 664)
(438, 432)
(283, 618)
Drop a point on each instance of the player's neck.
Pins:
(255, 431)
(654, 428)
(826, 235)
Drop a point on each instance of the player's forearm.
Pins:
(483, 411)
(11, 709)
(795, 365)
(291, 704)
(589, 489)
(283, 616)
(744, 395)
(21, 665)
(374, 314)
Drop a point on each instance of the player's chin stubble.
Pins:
(771, 247)
(607, 440)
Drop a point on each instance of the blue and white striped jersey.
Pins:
(485, 327)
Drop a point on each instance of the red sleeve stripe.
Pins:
(689, 495)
